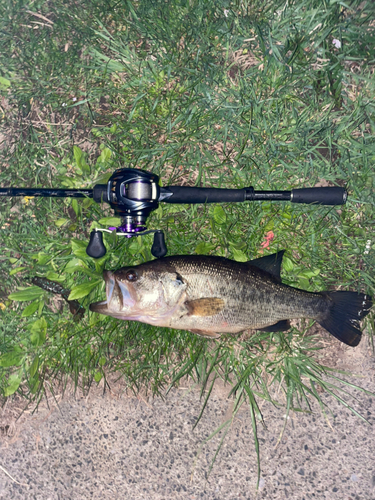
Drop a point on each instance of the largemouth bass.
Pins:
(213, 295)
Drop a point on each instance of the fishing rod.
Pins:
(133, 194)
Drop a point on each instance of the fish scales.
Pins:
(254, 299)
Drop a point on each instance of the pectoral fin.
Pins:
(205, 306)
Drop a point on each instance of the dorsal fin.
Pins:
(270, 263)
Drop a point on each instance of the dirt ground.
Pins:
(114, 446)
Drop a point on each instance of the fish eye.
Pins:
(131, 275)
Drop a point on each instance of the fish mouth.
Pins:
(99, 307)
(118, 296)
(102, 306)
(109, 284)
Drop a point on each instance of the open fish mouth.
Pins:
(102, 306)
(117, 293)
(109, 285)
(99, 307)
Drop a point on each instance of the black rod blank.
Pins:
(47, 193)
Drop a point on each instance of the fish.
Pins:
(212, 295)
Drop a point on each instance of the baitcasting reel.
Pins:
(133, 194)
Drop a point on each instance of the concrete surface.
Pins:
(114, 446)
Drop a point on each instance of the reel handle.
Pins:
(96, 248)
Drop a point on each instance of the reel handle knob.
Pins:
(96, 248)
(159, 248)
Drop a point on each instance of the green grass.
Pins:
(259, 97)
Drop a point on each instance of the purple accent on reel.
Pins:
(129, 229)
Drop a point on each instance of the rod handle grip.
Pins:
(320, 196)
(186, 194)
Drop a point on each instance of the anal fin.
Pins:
(280, 326)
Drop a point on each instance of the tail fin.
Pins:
(345, 312)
